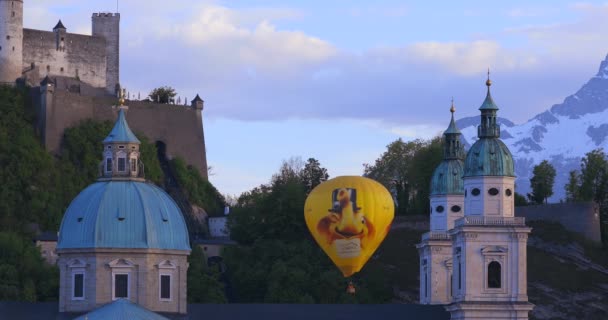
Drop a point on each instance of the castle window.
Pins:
(165, 287)
(455, 208)
(439, 209)
(121, 285)
(133, 164)
(493, 191)
(122, 164)
(475, 192)
(494, 275)
(48, 68)
(508, 192)
(61, 69)
(121, 147)
(78, 285)
(13, 13)
(108, 164)
(8, 37)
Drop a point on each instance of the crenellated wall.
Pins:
(66, 54)
(65, 104)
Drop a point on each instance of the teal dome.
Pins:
(123, 214)
(447, 178)
(489, 157)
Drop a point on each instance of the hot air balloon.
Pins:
(349, 217)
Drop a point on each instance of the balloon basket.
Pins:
(350, 289)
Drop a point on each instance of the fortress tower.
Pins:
(11, 40)
(107, 26)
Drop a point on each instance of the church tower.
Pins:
(11, 40)
(489, 244)
(447, 205)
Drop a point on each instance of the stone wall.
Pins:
(179, 127)
(11, 37)
(77, 56)
(582, 217)
(107, 26)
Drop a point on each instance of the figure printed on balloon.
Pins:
(346, 221)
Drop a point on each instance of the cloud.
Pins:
(465, 58)
(249, 66)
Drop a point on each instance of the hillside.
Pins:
(55, 181)
(567, 276)
(562, 134)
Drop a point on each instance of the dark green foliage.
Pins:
(542, 182)
(406, 170)
(313, 174)
(592, 185)
(23, 274)
(204, 285)
(520, 200)
(278, 261)
(164, 94)
(199, 190)
(149, 157)
(29, 179)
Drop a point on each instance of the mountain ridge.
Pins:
(562, 134)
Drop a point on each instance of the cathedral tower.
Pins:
(447, 205)
(107, 25)
(489, 254)
(11, 40)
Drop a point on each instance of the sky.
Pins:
(339, 80)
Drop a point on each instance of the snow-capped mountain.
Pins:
(562, 134)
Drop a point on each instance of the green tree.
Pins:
(520, 200)
(163, 94)
(278, 261)
(204, 285)
(406, 169)
(542, 182)
(313, 174)
(572, 187)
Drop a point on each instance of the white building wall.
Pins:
(451, 207)
(486, 204)
(218, 227)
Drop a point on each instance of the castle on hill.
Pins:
(75, 77)
(33, 54)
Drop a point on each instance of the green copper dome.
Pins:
(447, 178)
(489, 157)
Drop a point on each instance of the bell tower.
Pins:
(489, 244)
(11, 40)
(447, 205)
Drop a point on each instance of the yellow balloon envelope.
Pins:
(349, 217)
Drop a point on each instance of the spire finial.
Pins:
(488, 82)
(121, 97)
(452, 108)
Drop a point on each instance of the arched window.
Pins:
(494, 275)
(108, 164)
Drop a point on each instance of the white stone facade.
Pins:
(445, 209)
(143, 267)
(489, 196)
